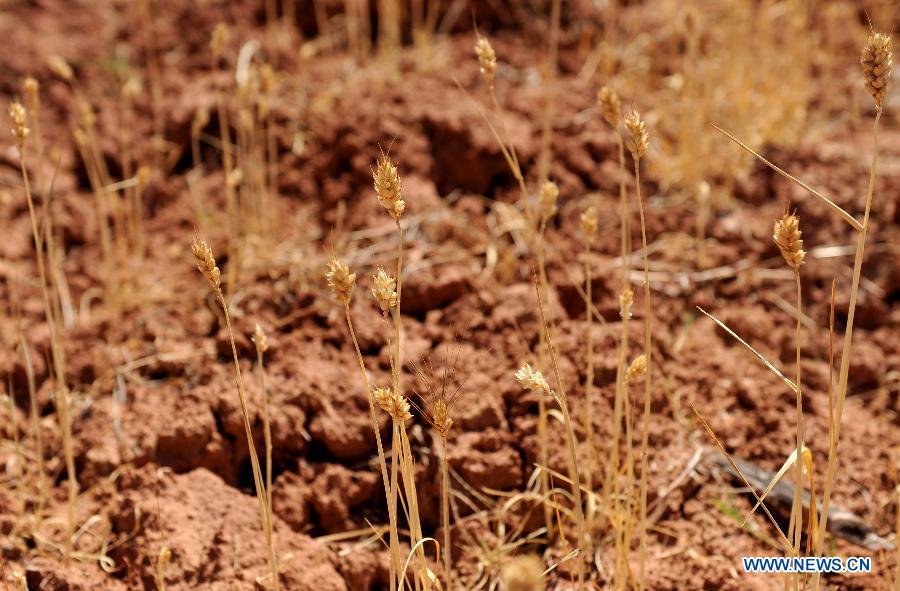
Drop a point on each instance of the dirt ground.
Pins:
(159, 443)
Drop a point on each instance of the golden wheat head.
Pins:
(638, 138)
(533, 379)
(340, 280)
(206, 263)
(220, 38)
(788, 238)
(548, 197)
(878, 61)
(19, 117)
(487, 58)
(385, 290)
(626, 300)
(393, 403)
(60, 67)
(637, 369)
(388, 187)
(259, 339)
(609, 104)
(589, 222)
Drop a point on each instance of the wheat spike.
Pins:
(878, 61)
(382, 397)
(610, 106)
(19, 117)
(589, 222)
(548, 197)
(787, 237)
(30, 87)
(340, 280)
(626, 300)
(385, 290)
(220, 38)
(638, 138)
(440, 417)
(143, 176)
(532, 379)
(60, 67)
(393, 403)
(132, 88)
(387, 187)
(637, 369)
(259, 339)
(206, 263)
(487, 58)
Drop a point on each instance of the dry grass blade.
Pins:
(778, 476)
(790, 384)
(834, 206)
(718, 442)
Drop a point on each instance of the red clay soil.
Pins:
(160, 448)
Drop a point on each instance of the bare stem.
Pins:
(648, 352)
(589, 378)
(62, 394)
(796, 520)
(267, 435)
(844, 373)
(445, 514)
(392, 504)
(261, 494)
(381, 461)
(571, 442)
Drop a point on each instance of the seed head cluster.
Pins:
(220, 38)
(387, 187)
(609, 104)
(487, 58)
(787, 237)
(878, 61)
(637, 369)
(385, 290)
(548, 198)
(589, 222)
(440, 417)
(206, 263)
(340, 280)
(638, 138)
(30, 87)
(259, 339)
(392, 403)
(626, 300)
(532, 379)
(60, 67)
(19, 117)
